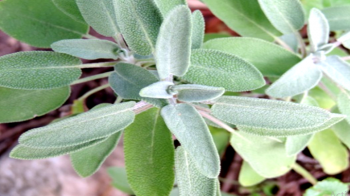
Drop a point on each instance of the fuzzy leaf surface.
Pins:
(128, 80)
(268, 158)
(173, 49)
(70, 8)
(119, 179)
(45, 22)
(85, 127)
(328, 150)
(269, 58)
(198, 28)
(342, 129)
(239, 17)
(166, 6)
(149, 154)
(300, 78)
(139, 22)
(157, 90)
(197, 93)
(344, 104)
(19, 105)
(337, 17)
(87, 161)
(187, 125)
(219, 69)
(189, 179)
(248, 177)
(287, 16)
(100, 15)
(338, 70)
(38, 70)
(318, 29)
(273, 118)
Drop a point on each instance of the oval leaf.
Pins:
(239, 17)
(45, 22)
(247, 175)
(198, 28)
(87, 48)
(85, 127)
(318, 29)
(19, 105)
(139, 22)
(269, 58)
(265, 155)
(338, 70)
(342, 130)
(273, 118)
(296, 144)
(87, 161)
(100, 15)
(166, 6)
(173, 47)
(343, 104)
(197, 93)
(302, 77)
(215, 68)
(70, 8)
(287, 16)
(38, 70)
(338, 17)
(119, 179)
(149, 155)
(187, 125)
(157, 90)
(189, 179)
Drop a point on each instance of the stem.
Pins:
(89, 36)
(119, 99)
(346, 58)
(141, 107)
(304, 173)
(329, 92)
(95, 65)
(301, 44)
(91, 92)
(90, 78)
(283, 44)
(306, 93)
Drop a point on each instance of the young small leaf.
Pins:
(215, 68)
(265, 155)
(239, 17)
(338, 70)
(197, 93)
(302, 77)
(273, 118)
(187, 125)
(119, 179)
(158, 90)
(328, 186)
(166, 6)
(19, 105)
(269, 58)
(85, 127)
(86, 162)
(318, 29)
(100, 15)
(38, 70)
(29, 153)
(139, 22)
(87, 48)
(287, 16)
(38, 23)
(338, 17)
(247, 175)
(70, 8)
(198, 28)
(128, 80)
(189, 179)
(149, 155)
(173, 49)
(327, 149)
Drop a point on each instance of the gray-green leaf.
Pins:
(166, 6)
(149, 155)
(328, 150)
(269, 58)
(38, 23)
(173, 49)
(215, 68)
(328, 186)
(86, 162)
(344, 104)
(302, 77)
(342, 130)
(295, 144)
(198, 28)
(70, 8)
(188, 126)
(87, 48)
(265, 155)
(100, 15)
(128, 80)
(18, 105)
(239, 17)
(287, 16)
(190, 181)
(338, 70)
(159, 89)
(247, 175)
(197, 93)
(318, 29)
(119, 179)
(338, 17)
(38, 70)
(139, 22)
(273, 118)
(85, 127)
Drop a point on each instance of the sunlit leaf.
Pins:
(338, 17)
(338, 70)
(247, 175)
(197, 93)
(318, 29)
